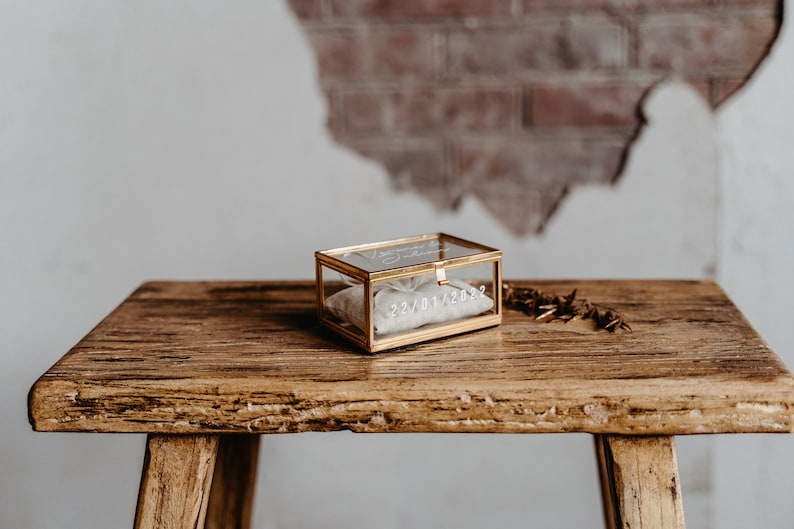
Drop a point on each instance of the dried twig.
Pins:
(553, 307)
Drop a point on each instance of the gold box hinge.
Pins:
(441, 274)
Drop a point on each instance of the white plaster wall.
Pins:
(754, 474)
(186, 140)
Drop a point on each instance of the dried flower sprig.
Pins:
(553, 307)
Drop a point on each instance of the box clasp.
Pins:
(441, 274)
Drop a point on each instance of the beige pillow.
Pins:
(402, 306)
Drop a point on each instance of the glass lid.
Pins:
(407, 252)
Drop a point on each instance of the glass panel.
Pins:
(387, 257)
(344, 300)
(406, 305)
(420, 303)
(479, 277)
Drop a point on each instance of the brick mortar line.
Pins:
(521, 101)
(713, 91)
(373, 26)
(630, 36)
(441, 86)
(517, 8)
(724, 13)
(440, 55)
(325, 8)
(337, 112)
(541, 78)
(604, 135)
(475, 23)
(409, 142)
(451, 172)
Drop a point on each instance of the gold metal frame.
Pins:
(367, 340)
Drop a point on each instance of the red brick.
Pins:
(613, 5)
(436, 110)
(586, 105)
(305, 9)
(392, 53)
(577, 46)
(704, 44)
(420, 9)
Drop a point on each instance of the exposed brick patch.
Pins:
(585, 105)
(517, 101)
(421, 9)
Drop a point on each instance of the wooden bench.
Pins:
(205, 367)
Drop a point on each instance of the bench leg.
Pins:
(232, 493)
(640, 486)
(177, 472)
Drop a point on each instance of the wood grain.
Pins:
(177, 473)
(640, 482)
(232, 493)
(250, 357)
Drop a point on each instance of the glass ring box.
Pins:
(395, 293)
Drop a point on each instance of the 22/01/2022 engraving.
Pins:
(451, 298)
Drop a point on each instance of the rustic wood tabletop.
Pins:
(250, 357)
